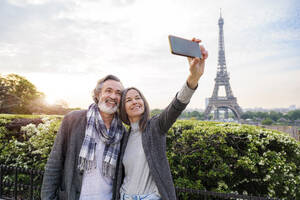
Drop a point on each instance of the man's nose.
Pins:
(113, 96)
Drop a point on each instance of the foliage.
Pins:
(18, 94)
(223, 157)
(18, 116)
(155, 112)
(228, 157)
(267, 121)
(184, 115)
(192, 115)
(257, 116)
(273, 115)
(294, 115)
(29, 149)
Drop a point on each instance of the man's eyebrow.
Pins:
(110, 88)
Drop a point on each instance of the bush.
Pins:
(228, 157)
(267, 121)
(27, 146)
(221, 157)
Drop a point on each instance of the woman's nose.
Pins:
(134, 101)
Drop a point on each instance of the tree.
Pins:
(248, 115)
(17, 94)
(267, 121)
(7, 100)
(262, 115)
(275, 115)
(195, 114)
(155, 112)
(294, 115)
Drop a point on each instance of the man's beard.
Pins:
(106, 109)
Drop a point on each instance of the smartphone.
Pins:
(183, 47)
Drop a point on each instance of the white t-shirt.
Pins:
(94, 185)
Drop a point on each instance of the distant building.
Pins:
(292, 107)
(217, 103)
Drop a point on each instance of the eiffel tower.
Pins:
(219, 103)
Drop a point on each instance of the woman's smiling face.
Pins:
(134, 105)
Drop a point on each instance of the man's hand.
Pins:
(196, 66)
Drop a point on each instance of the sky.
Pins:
(64, 46)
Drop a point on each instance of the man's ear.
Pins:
(99, 96)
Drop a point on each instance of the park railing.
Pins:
(193, 194)
(22, 184)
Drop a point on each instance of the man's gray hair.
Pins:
(99, 85)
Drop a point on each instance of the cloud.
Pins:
(129, 38)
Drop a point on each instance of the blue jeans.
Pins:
(152, 196)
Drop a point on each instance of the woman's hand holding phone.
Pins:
(197, 66)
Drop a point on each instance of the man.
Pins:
(84, 155)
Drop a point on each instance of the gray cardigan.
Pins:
(62, 179)
(154, 145)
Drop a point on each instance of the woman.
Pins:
(143, 171)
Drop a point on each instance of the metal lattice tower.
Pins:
(217, 103)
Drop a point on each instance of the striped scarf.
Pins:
(95, 126)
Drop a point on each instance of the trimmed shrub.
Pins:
(27, 142)
(229, 157)
(213, 156)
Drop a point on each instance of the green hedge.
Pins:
(230, 157)
(27, 146)
(223, 157)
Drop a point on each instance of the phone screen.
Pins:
(184, 47)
